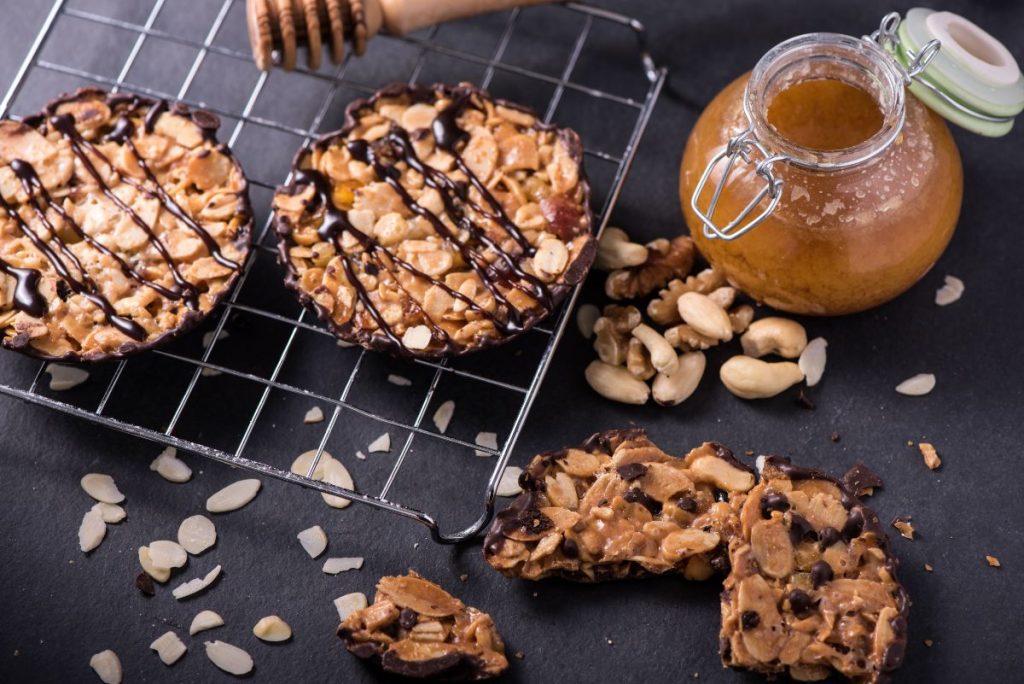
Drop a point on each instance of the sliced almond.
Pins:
(169, 647)
(111, 513)
(168, 466)
(209, 337)
(333, 566)
(313, 415)
(488, 440)
(233, 497)
(586, 317)
(381, 444)
(65, 377)
(417, 337)
(107, 667)
(91, 531)
(951, 291)
(303, 462)
(102, 488)
(812, 361)
(204, 620)
(350, 603)
(273, 629)
(360, 455)
(229, 658)
(337, 474)
(194, 586)
(167, 554)
(443, 416)
(196, 534)
(399, 380)
(159, 574)
(313, 540)
(508, 485)
(917, 386)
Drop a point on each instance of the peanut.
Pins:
(663, 358)
(750, 378)
(706, 317)
(670, 389)
(774, 335)
(615, 251)
(616, 383)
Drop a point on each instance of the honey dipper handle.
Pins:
(406, 16)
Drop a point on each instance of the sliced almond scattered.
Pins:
(360, 455)
(812, 360)
(313, 415)
(233, 497)
(111, 513)
(168, 466)
(229, 658)
(443, 416)
(167, 554)
(508, 485)
(107, 667)
(196, 534)
(102, 488)
(488, 440)
(210, 372)
(169, 647)
(303, 462)
(159, 574)
(194, 586)
(204, 620)
(208, 337)
(337, 474)
(91, 531)
(350, 603)
(332, 566)
(931, 456)
(917, 386)
(950, 292)
(273, 629)
(381, 444)
(586, 317)
(399, 380)
(313, 540)
(65, 377)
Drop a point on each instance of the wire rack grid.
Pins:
(554, 81)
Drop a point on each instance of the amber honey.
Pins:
(825, 114)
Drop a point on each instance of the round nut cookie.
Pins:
(122, 223)
(436, 222)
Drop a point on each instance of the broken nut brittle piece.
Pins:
(813, 585)
(618, 506)
(416, 629)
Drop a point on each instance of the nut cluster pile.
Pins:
(664, 344)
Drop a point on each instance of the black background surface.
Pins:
(58, 607)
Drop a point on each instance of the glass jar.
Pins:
(817, 183)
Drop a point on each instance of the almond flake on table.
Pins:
(508, 485)
(196, 534)
(167, 554)
(111, 513)
(381, 444)
(169, 647)
(337, 474)
(917, 386)
(488, 440)
(313, 415)
(333, 566)
(350, 603)
(930, 455)
(229, 658)
(194, 586)
(168, 466)
(443, 416)
(210, 372)
(233, 497)
(92, 530)
(950, 292)
(304, 461)
(208, 337)
(204, 620)
(102, 488)
(161, 575)
(313, 540)
(360, 455)
(273, 629)
(812, 361)
(107, 667)
(65, 377)
(399, 380)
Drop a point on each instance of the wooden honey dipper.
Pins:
(286, 25)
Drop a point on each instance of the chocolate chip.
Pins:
(408, 618)
(570, 549)
(800, 529)
(686, 503)
(206, 120)
(749, 619)
(828, 536)
(773, 502)
(821, 572)
(632, 471)
(854, 525)
(721, 495)
(144, 583)
(636, 495)
(801, 603)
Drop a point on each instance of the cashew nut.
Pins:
(741, 317)
(774, 335)
(750, 378)
(638, 361)
(685, 338)
(663, 358)
(615, 251)
(675, 388)
(702, 314)
(615, 383)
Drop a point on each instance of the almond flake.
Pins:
(399, 380)
(586, 317)
(204, 620)
(304, 461)
(917, 386)
(233, 497)
(273, 629)
(102, 488)
(196, 534)
(931, 456)
(360, 455)
(812, 361)
(488, 440)
(209, 337)
(209, 372)
(950, 292)
(167, 554)
(169, 647)
(381, 444)
(337, 474)
(417, 337)
(65, 377)
(313, 415)
(194, 586)
(332, 566)
(508, 485)
(91, 531)
(168, 466)
(443, 416)
(159, 574)
(350, 603)
(345, 345)
(229, 658)
(313, 540)
(107, 667)
(111, 513)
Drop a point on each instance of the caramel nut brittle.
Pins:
(618, 506)
(416, 629)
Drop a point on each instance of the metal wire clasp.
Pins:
(740, 146)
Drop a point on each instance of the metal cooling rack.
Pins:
(426, 43)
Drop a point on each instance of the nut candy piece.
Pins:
(617, 506)
(813, 586)
(416, 629)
